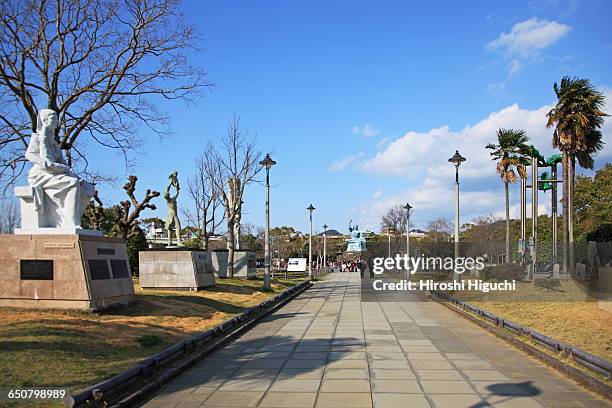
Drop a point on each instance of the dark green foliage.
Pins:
(137, 241)
(592, 203)
(603, 233)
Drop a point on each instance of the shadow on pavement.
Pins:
(509, 390)
(255, 363)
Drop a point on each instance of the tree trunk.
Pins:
(564, 204)
(570, 213)
(507, 223)
(230, 248)
(205, 239)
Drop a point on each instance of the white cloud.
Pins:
(421, 157)
(344, 162)
(529, 37)
(368, 130)
(425, 154)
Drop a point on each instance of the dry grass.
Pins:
(581, 324)
(75, 349)
(569, 314)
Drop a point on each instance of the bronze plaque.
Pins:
(99, 269)
(36, 269)
(120, 268)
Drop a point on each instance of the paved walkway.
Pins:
(328, 349)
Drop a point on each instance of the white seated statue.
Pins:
(55, 198)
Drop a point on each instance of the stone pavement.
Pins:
(326, 348)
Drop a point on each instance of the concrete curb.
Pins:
(590, 382)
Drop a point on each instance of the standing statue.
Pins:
(172, 219)
(59, 196)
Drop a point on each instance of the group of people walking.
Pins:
(360, 265)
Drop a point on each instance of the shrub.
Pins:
(149, 340)
(547, 283)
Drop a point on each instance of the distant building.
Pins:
(333, 234)
(417, 233)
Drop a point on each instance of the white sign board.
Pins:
(296, 265)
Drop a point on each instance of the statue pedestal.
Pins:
(58, 231)
(64, 271)
(175, 269)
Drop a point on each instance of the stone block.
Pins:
(53, 271)
(176, 269)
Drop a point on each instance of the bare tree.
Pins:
(9, 216)
(101, 64)
(395, 220)
(439, 230)
(206, 202)
(231, 168)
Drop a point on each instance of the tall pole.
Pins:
(389, 235)
(407, 207)
(267, 285)
(534, 213)
(570, 216)
(457, 159)
(553, 206)
(408, 234)
(523, 216)
(310, 210)
(456, 212)
(324, 247)
(267, 163)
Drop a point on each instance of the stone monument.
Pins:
(172, 219)
(51, 262)
(357, 242)
(176, 269)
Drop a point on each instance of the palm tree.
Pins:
(577, 118)
(509, 152)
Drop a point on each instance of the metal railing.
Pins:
(580, 357)
(108, 389)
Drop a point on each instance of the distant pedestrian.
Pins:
(361, 265)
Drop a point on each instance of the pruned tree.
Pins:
(101, 64)
(94, 213)
(231, 167)
(128, 221)
(206, 202)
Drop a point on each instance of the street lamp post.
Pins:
(267, 163)
(310, 210)
(389, 241)
(457, 159)
(324, 247)
(407, 207)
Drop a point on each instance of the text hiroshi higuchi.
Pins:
(429, 284)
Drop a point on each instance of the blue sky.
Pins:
(361, 103)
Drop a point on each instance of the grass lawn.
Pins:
(69, 349)
(566, 314)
